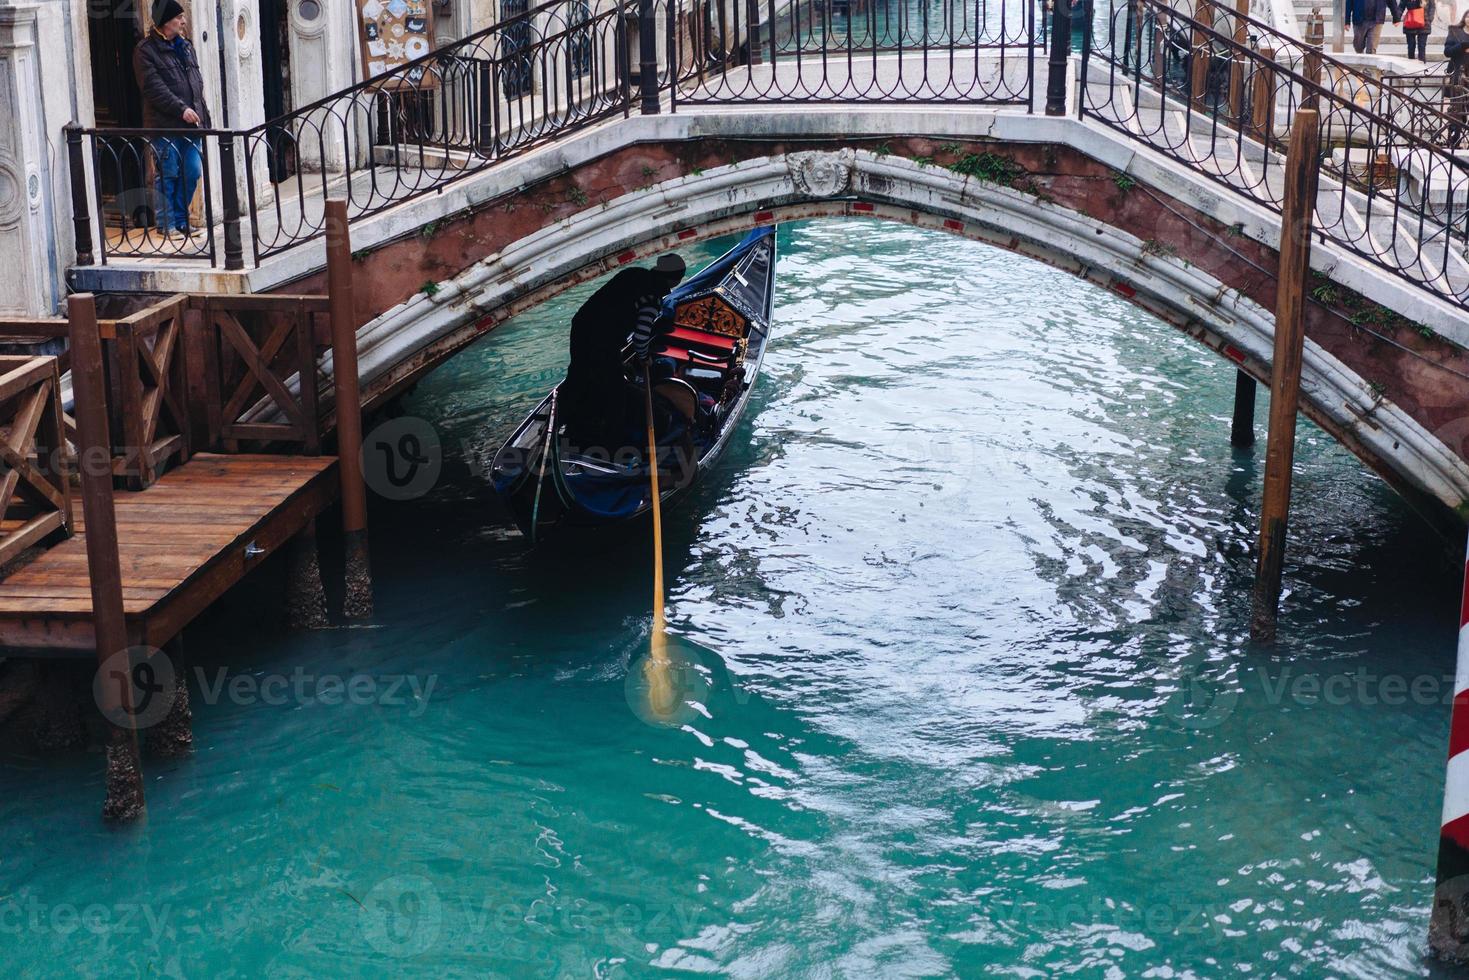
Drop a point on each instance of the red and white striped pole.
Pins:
(1448, 927)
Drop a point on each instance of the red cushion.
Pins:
(689, 337)
(682, 354)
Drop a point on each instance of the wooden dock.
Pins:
(193, 439)
(181, 544)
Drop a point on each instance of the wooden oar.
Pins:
(662, 699)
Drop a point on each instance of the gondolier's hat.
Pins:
(165, 11)
(671, 264)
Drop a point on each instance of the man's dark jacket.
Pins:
(170, 83)
(1371, 11)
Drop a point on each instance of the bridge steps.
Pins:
(1378, 224)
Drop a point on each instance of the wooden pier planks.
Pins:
(181, 544)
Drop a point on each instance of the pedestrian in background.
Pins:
(1456, 92)
(1366, 18)
(1417, 23)
(167, 71)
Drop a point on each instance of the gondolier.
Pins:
(707, 344)
(595, 398)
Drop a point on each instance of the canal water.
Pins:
(965, 611)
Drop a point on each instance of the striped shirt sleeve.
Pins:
(642, 335)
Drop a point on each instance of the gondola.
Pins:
(716, 326)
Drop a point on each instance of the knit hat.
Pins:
(671, 264)
(165, 11)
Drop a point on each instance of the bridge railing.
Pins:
(836, 51)
(533, 77)
(1223, 109)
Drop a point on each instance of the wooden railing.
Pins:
(261, 375)
(147, 385)
(32, 338)
(35, 494)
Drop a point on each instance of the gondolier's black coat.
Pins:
(595, 395)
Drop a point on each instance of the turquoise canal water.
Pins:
(969, 596)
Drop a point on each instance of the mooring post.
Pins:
(305, 597)
(1448, 920)
(1242, 429)
(1301, 170)
(124, 799)
(173, 736)
(1201, 53)
(1058, 68)
(357, 602)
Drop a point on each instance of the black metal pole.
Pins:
(648, 57)
(1059, 65)
(234, 257)
(81, 214)
(1242, 428)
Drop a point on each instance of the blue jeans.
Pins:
(179, 165)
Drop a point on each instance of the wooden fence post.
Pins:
(124, 800)
(1262, 100)
(1237, 62)
(357, 603)
(1302, 166)
(1201, 55)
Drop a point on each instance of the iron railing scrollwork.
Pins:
(1223, 109)
(1206, 86)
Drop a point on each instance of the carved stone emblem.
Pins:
(821, 174)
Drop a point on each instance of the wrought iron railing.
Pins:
(1203, 87)
(946, 51)
(1223, 109)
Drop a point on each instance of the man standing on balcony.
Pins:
(1365, 18)
(167, 71)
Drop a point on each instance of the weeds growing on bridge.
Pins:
(1362, 312)
(989, 167)
(429, 288)
(996, 169)
(1123, 181)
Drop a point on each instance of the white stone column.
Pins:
(29, 286)
(323, 46)
(244, 87)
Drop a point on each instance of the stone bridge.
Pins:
(436, 274)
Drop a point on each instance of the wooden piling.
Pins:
(124, 799)
(172, 737)
(357, 602)
(1237, 63)
(1202, 54)
(1262, 99)
(1301, 171)
(1242, 429)
(305, 597)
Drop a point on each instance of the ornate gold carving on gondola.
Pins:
(712, 314)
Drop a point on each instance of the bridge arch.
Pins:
(988, 200)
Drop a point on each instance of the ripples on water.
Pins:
(973, 591)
